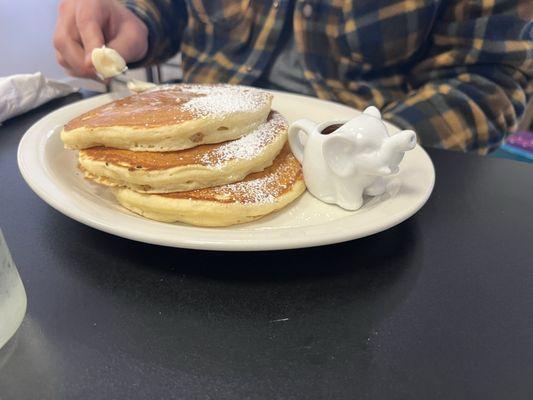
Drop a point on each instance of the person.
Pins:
(458, 72)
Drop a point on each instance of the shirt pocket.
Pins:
(223, 13)
(385, 34)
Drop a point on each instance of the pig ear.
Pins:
(339, 154)
(372, 111)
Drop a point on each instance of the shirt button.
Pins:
(307, 10)
(276, 3)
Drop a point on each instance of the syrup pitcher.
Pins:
(342, 160)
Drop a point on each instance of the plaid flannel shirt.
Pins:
(459, 72)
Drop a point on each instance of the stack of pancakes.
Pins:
(209, 155)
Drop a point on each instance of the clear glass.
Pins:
(12, 295)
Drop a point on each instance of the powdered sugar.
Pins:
(264, 188)
(221, 100)
(249, 146)
(254, 191)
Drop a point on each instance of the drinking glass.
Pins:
(12, 295)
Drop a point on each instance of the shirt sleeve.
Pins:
(473, 83)
(165, 20)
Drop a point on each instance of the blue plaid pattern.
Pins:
(459, 72)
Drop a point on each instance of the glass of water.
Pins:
(12, 295)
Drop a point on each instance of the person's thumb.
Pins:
(131, 41)
(92, 37)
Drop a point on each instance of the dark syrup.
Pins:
(330, 129)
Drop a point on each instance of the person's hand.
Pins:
(83, 25)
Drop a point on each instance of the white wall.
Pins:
(26, 29)
(26, 32)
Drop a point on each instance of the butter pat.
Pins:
(107, 62)
(137, 86)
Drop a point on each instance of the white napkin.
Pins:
(21, 93)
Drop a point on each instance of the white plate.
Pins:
(51, 172)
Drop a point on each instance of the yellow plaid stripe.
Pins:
(458, 71)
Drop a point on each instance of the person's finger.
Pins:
(65, 26)
(131, 41)
(70, 72)
(73, 55)
(66, 38)
(92, 37)
(61, 61)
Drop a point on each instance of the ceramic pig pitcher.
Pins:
(342, 160)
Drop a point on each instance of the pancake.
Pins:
(170, 118)
(257, 195)
(202, 166)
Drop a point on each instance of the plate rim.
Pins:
(215, 245)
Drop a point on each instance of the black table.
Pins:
(439, 307)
